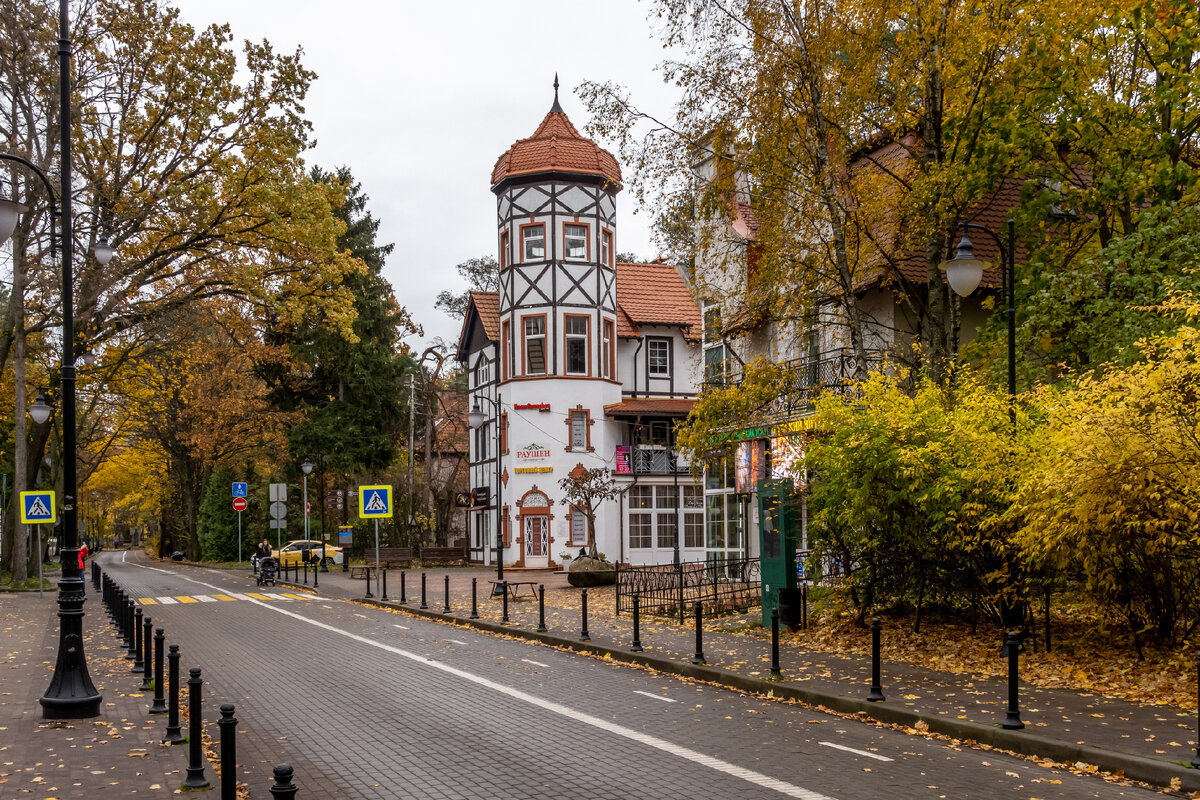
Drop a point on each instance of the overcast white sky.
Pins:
(419, 99)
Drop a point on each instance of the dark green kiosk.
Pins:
(779, 526)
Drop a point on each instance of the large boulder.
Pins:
(591, 571)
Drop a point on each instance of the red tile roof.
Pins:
(556, 146)
(650, 405)
(655, 294)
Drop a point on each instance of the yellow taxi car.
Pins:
(291, 554)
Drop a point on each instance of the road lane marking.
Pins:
(224, 597)
(257, 596)
(655, 696)
(836, 746)
(204, 598)
(686, 753)
(364, 616)
(183, 598)
(456, 641)
(236, 596)
(401, 627)
(167, 601)
(535, 663)
(274, 596)
(325, 606)
(147, 601)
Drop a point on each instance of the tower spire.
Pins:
(556, 106)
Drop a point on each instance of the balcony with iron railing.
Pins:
(644, 459)
(807, 378)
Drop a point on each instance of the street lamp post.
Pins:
(963, 273)
(307, 468)
(475, 419)
(71, 694)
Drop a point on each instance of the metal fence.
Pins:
(721, 586)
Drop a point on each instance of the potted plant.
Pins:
(587, 489)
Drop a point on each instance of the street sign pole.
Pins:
(377, 549)
(239, 537)
(40, 559)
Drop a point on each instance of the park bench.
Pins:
(389, 558)
(443, 555)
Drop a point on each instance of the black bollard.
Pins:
(316, 585)
(423, 603)
(227, 725)
(138, 664)
(583, 633)
(446, 607)
(474, 598)
(283, 789)
(368, 571)
(876, 692)
(159, 706)
(383, 592)
(403, 590)
(1196, 758)
(130, 632)
(804, 606)
(504, 601)
(776, 672)
(698, 656)
(195, 770)
(147, 655)
(305, 572)
(637, 624)
(1012, 720)
(541, 628)
(174, 735)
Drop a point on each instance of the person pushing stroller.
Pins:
(263, 551)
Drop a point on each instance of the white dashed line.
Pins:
(274, 596)
(167, 601)
(364, 616)
(456, 641)
(401, 627)
(204, 598)
(835, 746)
(655, 696)
(325, 606)
(535, 663)
(686, 753)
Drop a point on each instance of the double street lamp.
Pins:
(965, 271)
(476, 418)
(71, 694)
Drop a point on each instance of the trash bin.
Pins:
(791, 607)
(306, 555)
(178, 555)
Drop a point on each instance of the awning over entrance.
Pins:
(650, 407)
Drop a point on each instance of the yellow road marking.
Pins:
(223, 597)
(293, 596)
(257, 596)
(183, 598)
(148, 601)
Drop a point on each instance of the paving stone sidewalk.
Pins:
(1154, 741)
(117, 754)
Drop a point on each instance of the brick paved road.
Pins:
(369, 704)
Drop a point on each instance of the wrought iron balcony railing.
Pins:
(807, 378)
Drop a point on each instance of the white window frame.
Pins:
(579, 238)
(528, 338)
(664, 357)
(574, 338)
(527, 240)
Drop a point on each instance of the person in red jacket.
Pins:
(83, 551)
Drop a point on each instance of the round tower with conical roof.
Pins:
(556, 234)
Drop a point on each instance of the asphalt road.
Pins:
(366, 703)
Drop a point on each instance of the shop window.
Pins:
(639, 531)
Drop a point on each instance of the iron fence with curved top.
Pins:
(722, 586)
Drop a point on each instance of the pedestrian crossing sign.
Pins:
(37, 508)
(374, 502)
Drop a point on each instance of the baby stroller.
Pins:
(266, 571)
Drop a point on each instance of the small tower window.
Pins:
(577, 344)
(606, 349)
(533, 242)
(535, 345)
(575, 241)
(504, 250)
(606, 248)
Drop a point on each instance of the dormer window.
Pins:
(575, 241)
(533, 242)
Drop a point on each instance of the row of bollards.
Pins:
(134, 628)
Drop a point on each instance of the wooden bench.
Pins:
(443, 555)
(514, 588)
(389, 558)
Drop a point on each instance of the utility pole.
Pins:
(412, 407)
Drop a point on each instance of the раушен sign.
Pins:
(533, 452)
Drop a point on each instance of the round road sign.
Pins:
(239, 504)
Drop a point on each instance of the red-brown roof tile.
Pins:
(556, 146)
(655, 294)
(650, 405)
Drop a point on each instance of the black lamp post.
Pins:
(963, 273)
(475, 419)
(71, 694)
